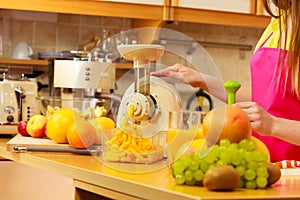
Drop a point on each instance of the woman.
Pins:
(273, 101)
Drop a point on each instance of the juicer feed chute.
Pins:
(151, 97)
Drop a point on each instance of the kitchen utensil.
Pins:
(55, 55)
(22, 51)
(204, 101)
(87, 107)
(136, 152)
(182, 128)
(21, 144)
(90, 44)
(231, 87)
(19, 148)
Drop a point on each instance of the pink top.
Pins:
(274, 100)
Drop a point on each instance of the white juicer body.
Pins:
(165, 98)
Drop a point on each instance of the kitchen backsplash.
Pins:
(51, 32)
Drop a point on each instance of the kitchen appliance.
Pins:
(17, 103)
(83, 79)
(204, 101)
(151, 97)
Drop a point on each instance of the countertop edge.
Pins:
(113, 183)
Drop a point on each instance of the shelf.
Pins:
(124, 65)
(8, 61)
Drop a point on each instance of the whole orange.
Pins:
(58, 123)
(226, 122)
(81, 134)
(261, 147)
(191, 146)
(102, 123)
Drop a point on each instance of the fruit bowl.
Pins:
(121, 147)
(88, 108)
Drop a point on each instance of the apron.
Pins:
(274, 100)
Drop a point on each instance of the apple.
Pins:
(36, 126)
(22, 128)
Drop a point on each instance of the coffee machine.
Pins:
(81, 79)
(17, 102)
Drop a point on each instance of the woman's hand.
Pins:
(262, 122)
(185, 74)
(194, 78)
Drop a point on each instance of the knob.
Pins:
(10, 118)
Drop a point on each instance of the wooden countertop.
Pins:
(91, 175)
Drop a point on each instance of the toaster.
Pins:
(17, 103)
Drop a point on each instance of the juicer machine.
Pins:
(151, 97)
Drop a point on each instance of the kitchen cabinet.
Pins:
(260, 8)
(223, 12)
(238, 6)
(145, 13)
(152, 2)
(91, 175)
(21, 181)
(89, 7)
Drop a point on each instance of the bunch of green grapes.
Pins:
(250, 163)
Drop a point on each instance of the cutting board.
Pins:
(33, 142)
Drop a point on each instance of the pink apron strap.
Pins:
(264, 42)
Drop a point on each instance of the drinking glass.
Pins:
(183, 127)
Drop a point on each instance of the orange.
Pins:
(261, 146)
(106, 123)
(81, 134)
(191, 146)
(199, 133)
(57, 125)
(102, 123)
(229, 122)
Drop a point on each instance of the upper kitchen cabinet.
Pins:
(152, 2)
(153, 12)
(260, 8)
(239, 6)
(225, 12)
(128, 9)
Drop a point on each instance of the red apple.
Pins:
(22, 128)
(36, 126)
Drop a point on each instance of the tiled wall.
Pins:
(230, 60)
(48, 32)
(51, 32)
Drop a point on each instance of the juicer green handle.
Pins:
(231, 87)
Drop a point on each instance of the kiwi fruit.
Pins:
(274, 173)
(221, 178)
